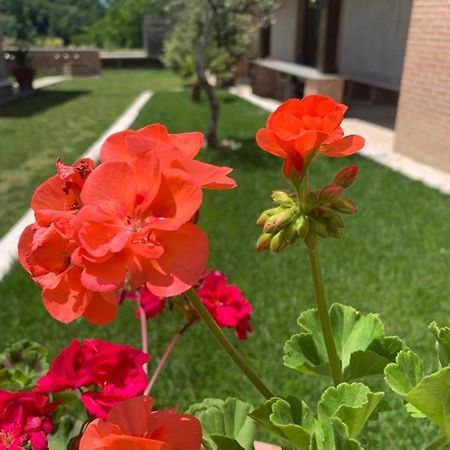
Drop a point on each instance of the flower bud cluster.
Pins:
(315, 214)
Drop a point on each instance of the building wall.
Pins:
(284, 42)
(423, 118)
(373, 37)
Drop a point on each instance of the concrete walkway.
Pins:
(379, 144)
(8, 244)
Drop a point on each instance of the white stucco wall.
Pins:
(284, 31)
(373, 38)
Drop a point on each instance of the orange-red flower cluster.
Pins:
(123, 224)
(132, 425)
(300, 127)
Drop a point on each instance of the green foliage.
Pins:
(29, 20)
(21, 364)
(121, 25)
(442, 336)
(427, 396)
(228, 27)
(342, 413)
(362, 347)
(225, 423)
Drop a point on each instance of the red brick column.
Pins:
(423, 118)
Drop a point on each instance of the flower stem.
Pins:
(201, 310)
(324, 317)
(144, 334)
(438, 443)
(166, 355)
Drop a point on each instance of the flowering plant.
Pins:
(126, 230)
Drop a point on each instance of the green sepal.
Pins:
(353, 404)
(442, 336)
(362, 347)
(224, 421)
(429, 396)
(22, 364)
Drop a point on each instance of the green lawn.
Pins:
(61, 121)
(394, 259)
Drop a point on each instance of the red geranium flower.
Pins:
(24, 420)
(175, 151)
(132, 425)
(226, 303)
(115, 372)
(301, 126)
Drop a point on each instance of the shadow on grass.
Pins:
(38, 102)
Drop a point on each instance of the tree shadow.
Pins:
(38, 102)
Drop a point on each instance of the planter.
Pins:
(24, 76)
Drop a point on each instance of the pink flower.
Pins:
(115, 372)
(226, 303)
(24, 420)
(150, 303)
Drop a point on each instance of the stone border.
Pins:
(8, 243)
(379, 144)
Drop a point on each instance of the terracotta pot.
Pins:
(24, 76)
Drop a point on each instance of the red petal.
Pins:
(266, 139)
(111, 182)
(183, 262)
(133, 416)
(309, 140)
(344, 147)
(115, 147)
(67, 300)
(189, 143)
(101, 308)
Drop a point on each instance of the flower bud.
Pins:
(267, 214)
(282, 198)
(344, 206)
(346, 176)
(290, 232)
(330, 193)
(278, 242)
(280, 220)
(330, 215)
(302, 227)
(263, 242)
(310, 201)
(335, 233)
(319, 228)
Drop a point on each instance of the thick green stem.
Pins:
(324, 316)
(438, 443)
(201, 310)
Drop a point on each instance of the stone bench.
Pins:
(276, 79)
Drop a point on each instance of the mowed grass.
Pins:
(61, 121)
(394, 260)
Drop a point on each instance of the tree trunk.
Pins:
(196, 92)
(214, 106)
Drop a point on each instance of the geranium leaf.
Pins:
(403, 375)
(427, 396)
(371, 362)
(352, 404)
(225, 419)
(290, 419)
(360, 343)
(442, 336)
(431, 397)
(226, 443)
(21, 364)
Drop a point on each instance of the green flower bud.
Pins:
(262, 219)
(282, 198)
(344, 206)
(278, 242)
(302, 227)
(280, 220)
(319, 228)
(290, 232)
(310, 201)
(335, 233)
(263, 242)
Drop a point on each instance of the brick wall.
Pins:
(423, 118)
